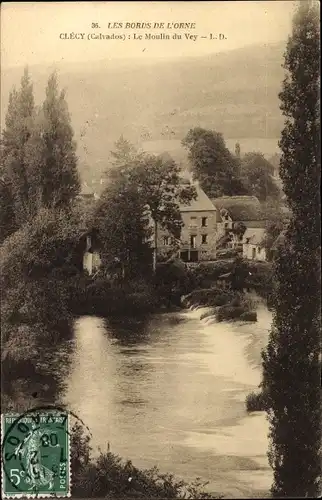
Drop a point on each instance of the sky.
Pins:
(35, 32)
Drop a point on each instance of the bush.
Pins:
(227, 253)
(221, 299)
(226, 313)
(249, 316)
(206, 275)
(102, 298)
(236, 302)
(256, 402)
(208, 297)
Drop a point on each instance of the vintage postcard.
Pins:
(159, 249)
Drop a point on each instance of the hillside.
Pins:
(233, 92)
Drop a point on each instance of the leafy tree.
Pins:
(121, 218)
(52, 152)
(257, 174)
(160, 186)
(33, 265)
(291, 360)
(123, 228)
(124, 154)
(217, 170)
(141, 188)
(15, 137)
(39, 164)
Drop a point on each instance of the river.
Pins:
(171, 392)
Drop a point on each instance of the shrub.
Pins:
(104, 299)
(208, 297)
(206, 275)
(227, 253)
(220, 300)
(249, 316)
(236, 302)
(229, 312)
(256, 402)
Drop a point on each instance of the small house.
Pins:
(234, 213)
(199, 232)
(91, 257)
(253, 247)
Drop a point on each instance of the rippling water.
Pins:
(171, 391)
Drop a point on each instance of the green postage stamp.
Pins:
(36, 454)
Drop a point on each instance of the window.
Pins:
(226, 224)
(204, 221)
(184, 256)
(254, 253)
(193, 221)
(258, 250)
(193, 241)
(204, 239)
(166, 241)
(194, 257)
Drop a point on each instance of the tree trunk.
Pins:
(155, 249)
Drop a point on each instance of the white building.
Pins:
(253, 248)
(91, 258)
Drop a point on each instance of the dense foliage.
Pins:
(257, 175)
(143, 193)
(221, 173)
(38, 160)
(291, 360)
(217, 170)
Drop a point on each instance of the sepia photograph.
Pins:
(160, 250)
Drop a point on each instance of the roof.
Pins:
(254, 236)
(255, 223)
(240, 208)
(200, 204)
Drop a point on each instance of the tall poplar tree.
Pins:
(60, 179)
(291, 361)
(15, 137)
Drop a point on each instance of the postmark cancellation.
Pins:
(36, 454)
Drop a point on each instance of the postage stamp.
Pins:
(36, 454)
